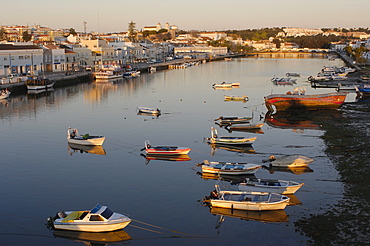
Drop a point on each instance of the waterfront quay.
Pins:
(74, 77)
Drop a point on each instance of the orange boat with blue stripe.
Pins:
(307, 102)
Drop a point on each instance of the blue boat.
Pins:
(363, 90)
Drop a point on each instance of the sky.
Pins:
(107, 16)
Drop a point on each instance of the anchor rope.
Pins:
(173, 231)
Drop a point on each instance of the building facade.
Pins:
(20, 59)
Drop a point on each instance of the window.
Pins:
(20, 57)
(107, 213)
(96, 218)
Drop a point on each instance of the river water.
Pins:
(40, 174)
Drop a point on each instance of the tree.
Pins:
(72, 31)
(2, 34)
(26, 36)
(132, 32)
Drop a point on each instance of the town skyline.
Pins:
(114, 16)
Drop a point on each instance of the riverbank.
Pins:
(70, 78)
(61, 79)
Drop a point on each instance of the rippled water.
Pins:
(40, 174)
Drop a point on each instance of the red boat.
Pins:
(308, 102)
(165, 150)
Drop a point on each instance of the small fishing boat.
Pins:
(245, 127)
(247, 200)
(293, 74)
(269, 185)
(4, 94)
(283, 80)
(236, 98)
(39, 83)
(347, 87)
(298, 100)
(229, 168)
(233, 120)
(229, 140)
(75, 138)
(164, 150)
(225, 85)
(98, 219)
(290, 161)
(106, 73)
(151, 111)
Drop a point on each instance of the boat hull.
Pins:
(231, 200)
(286, 187)
(91, 227)
(209, 169)
(107, 77)
(291, 161)
(179, 151)
(39, 87)
(232, 141)
(246, 127)
(308, 102)
(90, 141)
(150, 111)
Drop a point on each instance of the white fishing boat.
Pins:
(229, 140)
(4, 94)
(290, 161)
(39, 83)
(229, 168)
(225, 85)
(75, 138)
(247, 200)
(108, 73)
(151, 111)
(269, 185)
(229, 120)
(98, 219)
(235, 98)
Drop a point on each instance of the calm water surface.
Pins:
(40, 174)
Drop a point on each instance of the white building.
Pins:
(197, 50)
(213, 35)
(54, 58)
(103, 54)
(20, 59)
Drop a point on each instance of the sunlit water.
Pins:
(40, 174)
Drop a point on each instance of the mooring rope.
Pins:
(173, 231)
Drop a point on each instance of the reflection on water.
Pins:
(293, 200)
(306, 120)
(216, 176)
(92, 149)
(94, 238)
(165, 158)
(275, 216)
(33, 131)
(293, 170)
